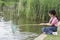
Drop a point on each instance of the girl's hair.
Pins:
(53, 12)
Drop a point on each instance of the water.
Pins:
(26, 36)
(30, 32)
(9, 31)
(6, 31)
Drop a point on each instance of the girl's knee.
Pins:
(43, 29)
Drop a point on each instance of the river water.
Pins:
(8, 31)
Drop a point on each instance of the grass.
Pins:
(52, 37)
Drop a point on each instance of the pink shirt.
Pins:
(54, 21)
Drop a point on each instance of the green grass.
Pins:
(52, 37)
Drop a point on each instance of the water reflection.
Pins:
(30, 32)
(27, 35)
(8, 31)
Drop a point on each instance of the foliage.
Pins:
(29, 11)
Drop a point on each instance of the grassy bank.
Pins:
(52, 37)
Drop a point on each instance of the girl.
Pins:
(52, 23)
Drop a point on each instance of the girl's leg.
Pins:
(43, 29)
(47, 30)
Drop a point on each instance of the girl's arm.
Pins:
(46, 24)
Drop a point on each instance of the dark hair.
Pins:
(53, 12)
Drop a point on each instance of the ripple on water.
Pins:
(27, 35)
(8, 35)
